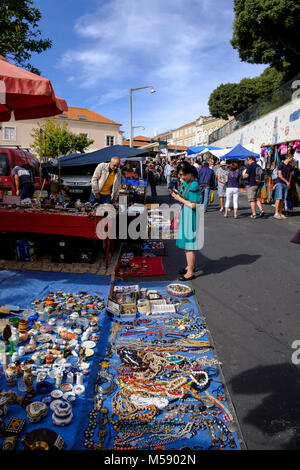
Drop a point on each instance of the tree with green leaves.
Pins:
(52, 139)
(231, 99)
(268, 32)
(20, 35)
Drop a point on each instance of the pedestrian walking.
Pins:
(221, 175)
(152, 179)
(255, 187)
(170, 168)
(233, 181)
(283, 184)
(206, 180)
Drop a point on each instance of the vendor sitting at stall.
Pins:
(23, 181)
(106, 182)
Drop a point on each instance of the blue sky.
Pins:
(101, 48)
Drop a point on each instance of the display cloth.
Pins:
(200, 419)
(141, 266)
(21, 288)
(82, 225)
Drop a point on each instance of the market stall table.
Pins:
(51, 223)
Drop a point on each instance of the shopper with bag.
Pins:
(188, 217)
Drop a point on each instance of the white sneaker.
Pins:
(283, 216)
(277, 216)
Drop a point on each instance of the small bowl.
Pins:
(56, 394)
(69, 396)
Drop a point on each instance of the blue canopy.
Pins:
(99, 156)
(239, 152)
(192, 150)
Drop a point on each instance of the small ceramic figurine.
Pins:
(28, 379)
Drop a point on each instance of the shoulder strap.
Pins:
(186, 192)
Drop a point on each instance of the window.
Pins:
(4, 165)
(9, 133)
(81, 117)
(110, 140)
(62, 116)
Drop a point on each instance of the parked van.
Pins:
(10, 157)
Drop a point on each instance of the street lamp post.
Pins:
(130, 96)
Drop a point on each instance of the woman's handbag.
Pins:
(176, 219)
(212, 197)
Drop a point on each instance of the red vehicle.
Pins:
(10, 157)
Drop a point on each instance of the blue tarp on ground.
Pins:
(239, 152)
(99, 156)
(22, 287)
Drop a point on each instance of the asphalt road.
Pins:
(247, 286)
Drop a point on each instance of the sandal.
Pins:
(262, 213)
(252, 216)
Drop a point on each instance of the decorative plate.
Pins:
(79, 389)
(179, 290)
(89, 344)
(66, 387)
(45, 338)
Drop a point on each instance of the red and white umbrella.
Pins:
(27, 95)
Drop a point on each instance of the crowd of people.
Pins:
(228, 179)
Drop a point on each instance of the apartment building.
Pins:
(205, 126)
(102, 130)
(185, 135)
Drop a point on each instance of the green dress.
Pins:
(187, 234)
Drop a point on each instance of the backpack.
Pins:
(260, 175)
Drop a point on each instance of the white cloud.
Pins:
(178, 46)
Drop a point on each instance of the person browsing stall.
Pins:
(23, 182)
(283, 184)
(187, 234)
(106, 182)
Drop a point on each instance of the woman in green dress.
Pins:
(187, 237)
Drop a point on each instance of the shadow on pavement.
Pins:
(209, 266)
(279, 410)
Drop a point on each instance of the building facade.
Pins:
(205, 126)
(194, 133)
(185, 135)
(102, 130)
